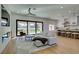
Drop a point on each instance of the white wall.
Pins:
(22, 17)
(2, 28)
(0, 20)
(2, 31)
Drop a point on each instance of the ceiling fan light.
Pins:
(29, 13)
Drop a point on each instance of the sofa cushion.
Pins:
(43, 40)
(38, 43)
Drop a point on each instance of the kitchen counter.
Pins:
(68, 31)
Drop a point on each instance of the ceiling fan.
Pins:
(29, 12)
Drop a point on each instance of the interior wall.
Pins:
(46, 22)
(3, 29)
(0, 20)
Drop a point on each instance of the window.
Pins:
(31, 27)
(51, 27)
(39, 28)
(21, 27)
(28, 27)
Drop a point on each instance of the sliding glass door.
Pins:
(31, 27)
(39, 28)
(28, 27)
(21, 27)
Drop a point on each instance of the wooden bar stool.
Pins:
(63, 34)
(75, 35)
(59, 33)
(68, 34)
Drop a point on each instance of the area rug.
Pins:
(27, 47)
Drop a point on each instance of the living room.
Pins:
(56, 23)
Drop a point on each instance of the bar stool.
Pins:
(63, 34)
(78, 36)
(75, 35)
(59, 33)
(68, 34)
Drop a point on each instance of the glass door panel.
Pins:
(39, 28)
(22, 27)
(31, 27)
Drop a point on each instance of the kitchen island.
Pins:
(69, 33)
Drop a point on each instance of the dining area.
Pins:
(72, 34)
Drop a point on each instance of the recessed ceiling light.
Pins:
(61, 7)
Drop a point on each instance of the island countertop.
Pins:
(69, 30)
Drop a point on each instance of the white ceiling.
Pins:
(45, 10)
